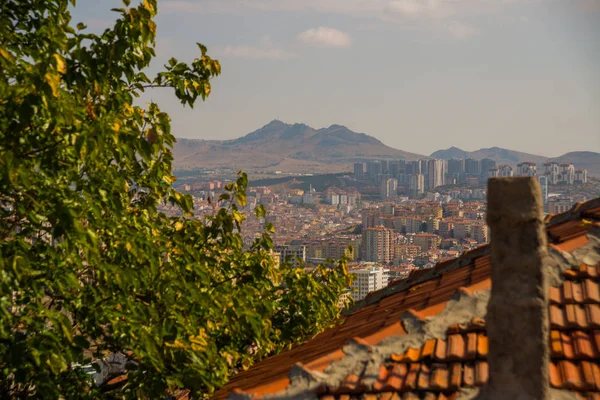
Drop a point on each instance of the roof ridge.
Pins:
(424, 275)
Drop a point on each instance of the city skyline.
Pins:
(418, 76)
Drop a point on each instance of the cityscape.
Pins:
(393, 217)
(299, 199)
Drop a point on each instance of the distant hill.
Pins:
(287, 147)
(500, 155)
(581, 159)
(448, 154)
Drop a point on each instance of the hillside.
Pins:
(501, 156)
(448, 154)
(582, 159)
(288, 148)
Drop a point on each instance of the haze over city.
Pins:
(300, 199)
(419, 76)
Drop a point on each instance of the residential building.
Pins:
(389, 187)
(581, 176)
(370, 218)
(377, 244)
(416, 185)
(472, 167)
(526, 169)
(296, 253)
(373, 169)
(436, 172)
(406, 251)
(567, 173)
(543, 180)
(505, 170)
(368, 280)
(462, 230)
(480, 232)
(359, 170)
(552, 171)
(486, 166)
(427, 241)
(559, 204)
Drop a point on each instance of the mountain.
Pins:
(448, 154)
(500, 155)
(288, 148)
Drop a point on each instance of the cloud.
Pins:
(418, 8)
(524, 19)
(267, 50)
(460, 30)
(325, 37)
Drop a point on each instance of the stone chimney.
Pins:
(517, 316)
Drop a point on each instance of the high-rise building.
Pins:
(393, 168)
(413, 167)
(581, 176)
(416, 185)
(373, 169)
(359, 170)
(402, 167)
(552, 171)
(543, 180)
(389, 187)
(567, 173)
(423, 167)
(456, 166)
(377, 244)
(526, 169)
(436, 171)
(505, 170)
(455, 171)
(486, 165)
(472, 167)
(368, 280)
(385, 169)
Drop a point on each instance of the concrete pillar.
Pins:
(517, 317)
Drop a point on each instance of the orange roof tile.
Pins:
(440, 367)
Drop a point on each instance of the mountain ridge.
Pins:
(299, 148)
(287, 147)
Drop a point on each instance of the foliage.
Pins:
(89, 266)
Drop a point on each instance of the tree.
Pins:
(89, 266)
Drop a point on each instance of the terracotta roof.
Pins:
(438, 367)
(442, 366)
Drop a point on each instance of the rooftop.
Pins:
(427, 336)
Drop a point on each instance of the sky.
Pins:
(419, 75)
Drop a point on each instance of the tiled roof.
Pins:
(440, 366)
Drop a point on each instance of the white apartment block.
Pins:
(296, 252)
(368, 280)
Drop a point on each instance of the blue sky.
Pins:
(419, 75)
